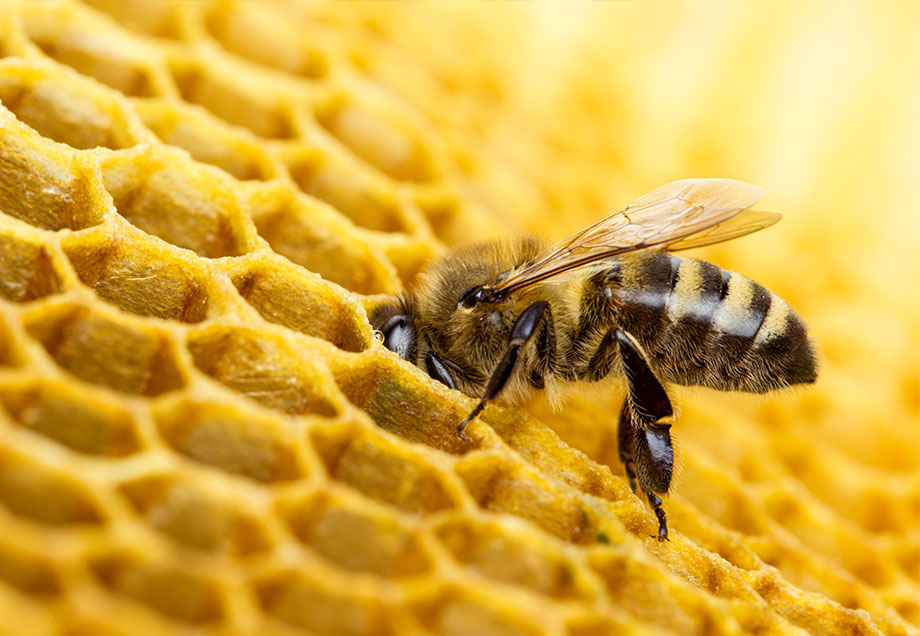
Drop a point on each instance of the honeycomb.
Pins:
(199, 433)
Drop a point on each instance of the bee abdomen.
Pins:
(754, 341)
(703, 325)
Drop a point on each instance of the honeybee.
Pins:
(500, 318)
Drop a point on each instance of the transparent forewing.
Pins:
(678, 215)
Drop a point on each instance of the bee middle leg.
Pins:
(536, 319)
(626, 442)
(644, 443)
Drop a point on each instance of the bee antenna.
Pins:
(471, 296)
(480, 294)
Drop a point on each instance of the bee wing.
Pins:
(743, 223)
(676, 216)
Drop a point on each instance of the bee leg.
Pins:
(525, 328)
(626, 435)
(645, 391)
(655, 461)
(652, 448)
(598, 367)
(437, 369)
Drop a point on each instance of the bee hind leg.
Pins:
(532, 320)
(655, 463)
(646, 405)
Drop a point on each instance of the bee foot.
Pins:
(655, 502)
(461, 426)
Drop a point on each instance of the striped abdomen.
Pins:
(702, 325)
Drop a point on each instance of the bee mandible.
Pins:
(501, 318)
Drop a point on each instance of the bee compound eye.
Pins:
(398, 335)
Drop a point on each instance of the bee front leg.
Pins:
(525, 328)
(438, 369)
(647, 404)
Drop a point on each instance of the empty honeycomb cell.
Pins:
(377, 386)
(99, 349)
(408, 254)
(369, 200)
(454, 611)
(26, 270)
(67, 109)
(811, 573)
(878, 504)
(77, 419)
(880, 510)
(724, 501)
(287, 380)
(384, 470)
(597, 442)
(265, 37)
(75, 37)
(595, 625)
(357, 535)
(35, 492)
(807, 521)
(166, 588)
(184, 203)
(908, 555)
(41, 186)
(12, 41)
(907, 607)
(286, 295)
(800, 608)
(30, 572)
(385, 138)
(454, 218)
(159, 19)
(231, 439)
(444, 210)
(503, 484)
(25, 615)
(713, 538)
(237, 95)
(645, 591)
(513, 556)
(208, 140)
(309, 602)
(143, 279)
(194, 517)
(312, 237)
(540, 447)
